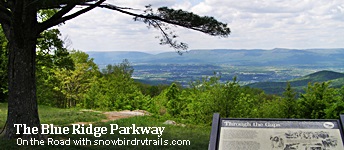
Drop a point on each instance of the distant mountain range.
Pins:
(251, 57)
(254, 58)
(299, 84)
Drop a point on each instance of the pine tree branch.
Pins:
(55, 21)
(150, 17)
(214, 28)
(165, 16)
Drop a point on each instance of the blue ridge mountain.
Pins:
(252, 57)
(212, 58)
(336, 80)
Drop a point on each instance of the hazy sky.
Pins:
(264, 24)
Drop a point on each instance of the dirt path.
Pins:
(115, 115)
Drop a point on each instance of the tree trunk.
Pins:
(22, 100)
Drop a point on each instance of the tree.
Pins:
(22, 28)
(289, 102)
(51, 56)
(174, 103)
(335, 107)
(123, 68)
(74, 83)
(316, 99)
(115, 90)
(51, 53)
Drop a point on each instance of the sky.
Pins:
(254, 24)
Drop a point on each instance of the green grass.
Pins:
(3, 114)
(51, 115)
(197, 135)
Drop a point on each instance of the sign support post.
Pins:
(214, 132)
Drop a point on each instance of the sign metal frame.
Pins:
(218, 123)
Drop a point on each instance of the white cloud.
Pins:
(254, 24)
(184, 5)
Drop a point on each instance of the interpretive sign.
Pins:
(276, 134)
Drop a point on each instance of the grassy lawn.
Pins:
(197, 136)
(56, 116)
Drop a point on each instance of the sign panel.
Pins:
(258, 134)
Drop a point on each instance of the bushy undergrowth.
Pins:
(197, 104)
